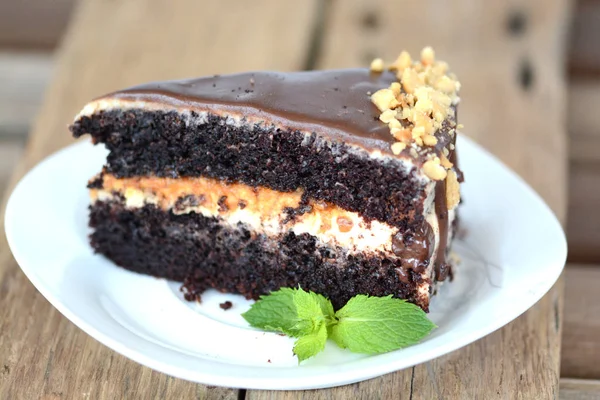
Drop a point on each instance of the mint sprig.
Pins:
(365, 324)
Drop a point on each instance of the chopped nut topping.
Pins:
(452, 190)
(427, 56)
(410, 80)
(384, 99)
(394, 124)
(388, 116)
(396, 88)
(445, 162)
(377, 65)
(398, 147)
(434, 170)
(416, 107)
(429, 140)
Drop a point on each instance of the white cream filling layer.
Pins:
(355, 234)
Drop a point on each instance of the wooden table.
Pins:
(509, 56)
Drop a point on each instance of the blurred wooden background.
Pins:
(31, 29)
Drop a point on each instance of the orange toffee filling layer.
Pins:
(263, 209)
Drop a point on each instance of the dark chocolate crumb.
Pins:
(226, 305)
(223, 204)
(242, 204)
(96, 182)
(188, 201)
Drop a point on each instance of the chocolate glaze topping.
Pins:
(334, 103)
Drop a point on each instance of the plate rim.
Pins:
(332, 378)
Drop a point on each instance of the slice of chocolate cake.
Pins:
(343, 182)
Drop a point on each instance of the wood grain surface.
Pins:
(583, 227)
(33, 23)
(23, 78)
(581, 333)
(579, 389)
(513, 103)
(584, 50)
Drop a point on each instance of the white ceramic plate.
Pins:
(513, 253)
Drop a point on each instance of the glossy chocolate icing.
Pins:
(334, 103)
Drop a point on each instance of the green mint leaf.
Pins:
(308, 309)
(379, 324)
(309, 345)
(276, 312)
(326, 306)
(294, 312)
(327, 309)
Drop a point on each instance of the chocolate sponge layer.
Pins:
(207, 253)
(169, 144)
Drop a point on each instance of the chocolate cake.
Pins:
(343, 182)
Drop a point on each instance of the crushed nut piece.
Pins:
(377, 65)
(410, 80)
(452, 190)
(388, 116)
(434, 170)
(394, 124)
(396, 88)
(429, 140)
(402, 135)
(427, 56)
(384, 99)
(402, 62)
(445, 162)
(398, 147)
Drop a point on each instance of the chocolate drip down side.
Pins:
(441, 212)
(442, 268)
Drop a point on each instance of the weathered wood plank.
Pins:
(581, 332)
(43, 354)
(390, 386)
(10, 154)
(584, 55)
(579, 389)
(23, 79)
(513, 103)
(583, 226)
(33, 23)
(584, 120)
